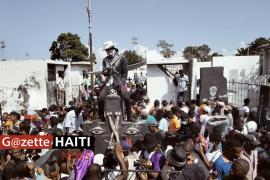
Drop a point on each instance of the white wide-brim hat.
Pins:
(108, 45)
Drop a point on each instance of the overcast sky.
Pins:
(29, 26)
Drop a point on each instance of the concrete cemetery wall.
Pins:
(23, 85)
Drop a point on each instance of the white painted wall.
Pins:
(240, 68)
(32, 74)
(77, 74)
(16, 73)
(159, 85)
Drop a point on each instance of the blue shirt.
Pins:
(222, 167)
(163, 125)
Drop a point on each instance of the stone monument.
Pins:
(213, 84)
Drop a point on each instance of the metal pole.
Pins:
(89, 12)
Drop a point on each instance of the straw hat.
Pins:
(108, 45)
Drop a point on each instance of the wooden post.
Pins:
(89, 12)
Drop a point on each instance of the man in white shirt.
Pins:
(244, 110)
(182, 88)
(73, 121)
(60, 84)
(142, 79)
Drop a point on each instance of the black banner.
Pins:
(73, 142)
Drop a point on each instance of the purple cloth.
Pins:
(156, 161)
(85, 160)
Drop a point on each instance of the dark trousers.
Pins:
(182, 96)
(101, 101)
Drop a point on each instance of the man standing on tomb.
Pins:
(115, 70)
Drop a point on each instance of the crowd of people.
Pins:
(185, 140)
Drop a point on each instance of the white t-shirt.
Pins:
(185, 109)
(72, 121)
(250, 126)
(213, 156)
(60, 83)
(163, 125)
(60, 126)
(182, 83)
(98, 159)
(203, 119)
(243, 110)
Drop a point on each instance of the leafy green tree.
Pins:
(68, 47)
(166, 50)
(132, 57)
(242, 52)
(202, 53)
(55, 51)
(252, 49)
(94, 58)
(190, 52)
(216, 54)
